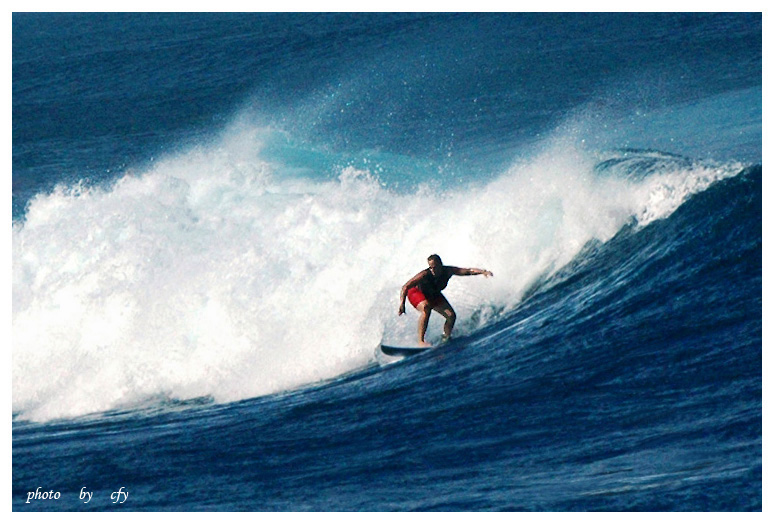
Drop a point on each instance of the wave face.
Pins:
(210, 280)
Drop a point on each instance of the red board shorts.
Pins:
(416, 297)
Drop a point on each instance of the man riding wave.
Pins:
(424, 293)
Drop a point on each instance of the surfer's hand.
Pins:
(401, 309)
(487, 274)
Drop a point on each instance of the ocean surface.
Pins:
(213, 215)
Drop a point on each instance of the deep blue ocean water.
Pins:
(213, 215)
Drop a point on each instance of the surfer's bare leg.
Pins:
(445, 309)
(424, 318)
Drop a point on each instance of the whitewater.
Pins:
(209, 276)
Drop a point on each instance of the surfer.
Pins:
(424, 292)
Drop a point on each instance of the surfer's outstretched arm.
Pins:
(466, 271)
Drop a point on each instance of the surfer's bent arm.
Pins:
(465, 271)
(404, 290)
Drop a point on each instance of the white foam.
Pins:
(208, 275)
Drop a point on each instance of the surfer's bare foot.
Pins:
(424, 344)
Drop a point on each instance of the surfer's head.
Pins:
(434, 261)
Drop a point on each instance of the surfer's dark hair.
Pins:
(436, 258)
